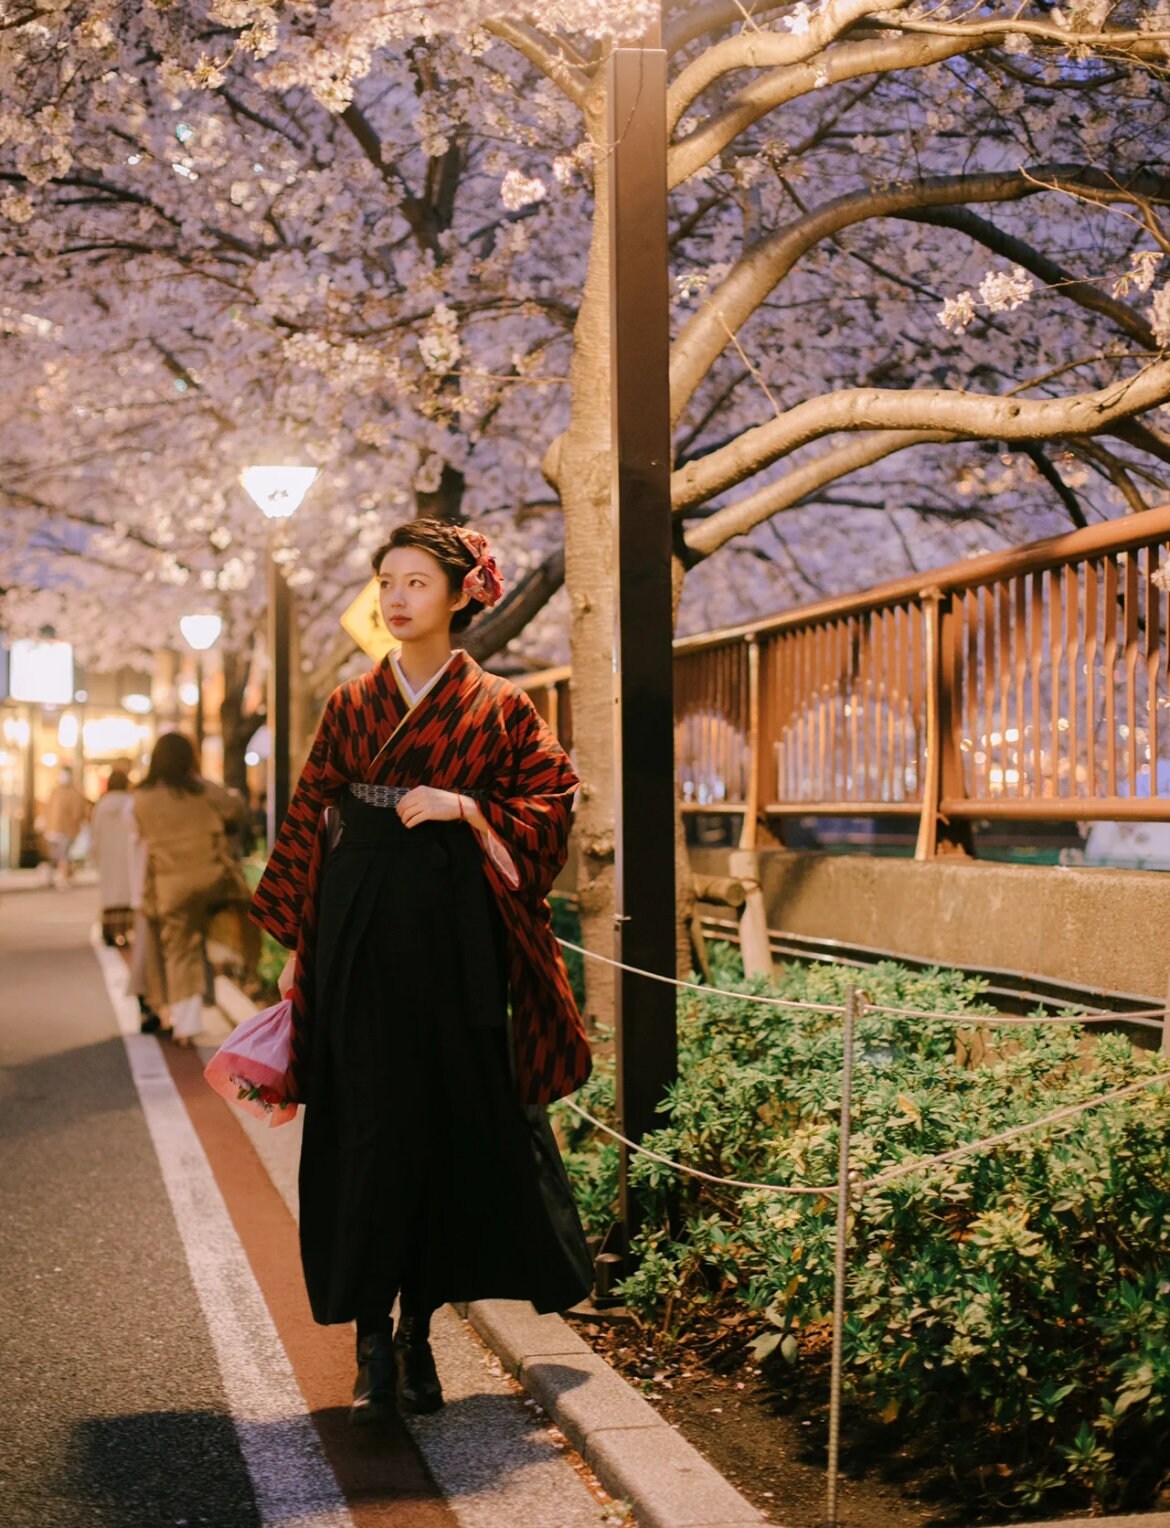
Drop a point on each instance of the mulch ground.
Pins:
(765, 1428)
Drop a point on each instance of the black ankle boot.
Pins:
(418, 1388)
(373, 1389)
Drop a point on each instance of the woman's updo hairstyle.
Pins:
(441, 540)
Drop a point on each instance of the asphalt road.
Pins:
(158, 1364)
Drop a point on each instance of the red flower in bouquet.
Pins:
(259, 1093)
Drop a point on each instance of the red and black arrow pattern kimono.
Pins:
(427, 1165)
(479, 734)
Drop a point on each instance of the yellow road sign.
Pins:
(363, 621)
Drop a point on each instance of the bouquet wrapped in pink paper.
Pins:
(251, 1067)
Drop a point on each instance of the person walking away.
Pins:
(65, 812)
(411, 877)
(189, 874)
(148, 982)
(111, 828)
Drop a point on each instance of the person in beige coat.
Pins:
(65, 812)
(190, 874)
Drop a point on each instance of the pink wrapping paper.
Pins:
(250, 1069)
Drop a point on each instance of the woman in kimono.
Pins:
(432, 1014)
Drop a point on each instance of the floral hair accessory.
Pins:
(484, 582)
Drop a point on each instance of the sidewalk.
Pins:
(492, 1453)
(106, 1307)
(635, 1454)
(160, 1361)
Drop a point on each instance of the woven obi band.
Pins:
(379, 795)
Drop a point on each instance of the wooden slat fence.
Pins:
(1033, 683)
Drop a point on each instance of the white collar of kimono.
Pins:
(413, 695)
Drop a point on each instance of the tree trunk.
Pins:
(236, 724)
(686, 931)
(446, 501)
(583, 472)
(582, 475)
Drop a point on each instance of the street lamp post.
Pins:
(277, 492)
(200, 632)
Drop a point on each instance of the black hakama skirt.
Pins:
(421, 1172)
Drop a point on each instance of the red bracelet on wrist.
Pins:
(459, 804)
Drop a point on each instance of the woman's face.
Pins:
(414, 595)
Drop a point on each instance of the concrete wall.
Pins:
(1107, 929)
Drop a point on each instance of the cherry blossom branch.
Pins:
(962, 415)
(845, 61)
(1083, 293)
(1112, 192)
(722, 396)
(18, 500)
(551, 59)
(744, 514)
(752, 49)
(1060, 488)
(1143, 437)
(766, 264)
(1116, 470)
(427, 216)
(716, 16)
(23, 18)
(1133, 44)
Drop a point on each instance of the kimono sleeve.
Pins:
(530, 810)
(279, 899)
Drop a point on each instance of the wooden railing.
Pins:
(1033, 683)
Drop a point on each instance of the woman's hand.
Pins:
(426, 804)
(287, 976)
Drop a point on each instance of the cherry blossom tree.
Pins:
(196, 284)
(917, 255)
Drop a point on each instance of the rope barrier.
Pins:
(1070, 1111)
(695, 1172)
(671, 981)
(901, 1169)
(1143, 1018)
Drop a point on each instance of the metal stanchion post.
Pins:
(839, 1265)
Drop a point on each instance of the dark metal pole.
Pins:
(199, 718)
(646, 1042)
(279, 600)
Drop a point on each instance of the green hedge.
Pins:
(1013, 1304)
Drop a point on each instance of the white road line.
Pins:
(294, 1485)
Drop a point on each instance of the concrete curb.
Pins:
(635, 1454)
(235, 1005)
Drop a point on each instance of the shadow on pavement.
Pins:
(48, 1093)
(154, 1468)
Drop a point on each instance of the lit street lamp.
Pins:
(277, 492)
(200, 632)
